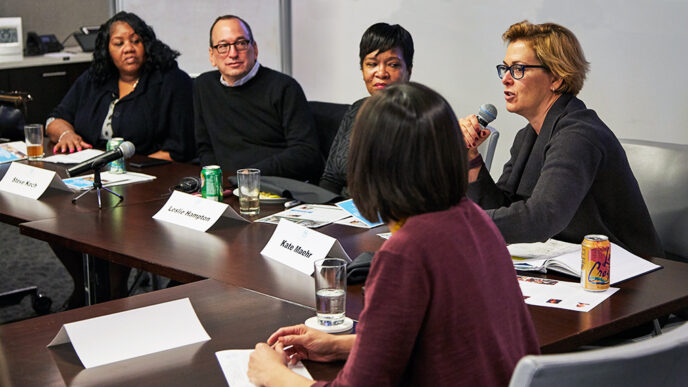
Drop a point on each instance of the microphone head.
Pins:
(127, 149)
(486, 114)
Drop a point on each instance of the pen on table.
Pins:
(292, 203)
(289, 347)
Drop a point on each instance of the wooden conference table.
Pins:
(230, 252)
(15, 209)
(234, 318)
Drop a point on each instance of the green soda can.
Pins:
(118, 165)
(211, 182)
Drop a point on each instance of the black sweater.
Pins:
(264, 123)
(334, 176)
(157, 115)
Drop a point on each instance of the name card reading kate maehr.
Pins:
(30, 182)
(298, 246)
(194, 212)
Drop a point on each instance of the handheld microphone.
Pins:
(124, 150)
(486, 114)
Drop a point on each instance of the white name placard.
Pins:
(194, 212)
(298, 246)
(133, 333)
(30, 182)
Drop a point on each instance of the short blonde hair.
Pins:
(557, 48)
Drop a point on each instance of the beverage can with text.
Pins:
(595, 263)
(211, 182)
(118, 165)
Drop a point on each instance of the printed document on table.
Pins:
(560, 294)
(73, 158)
(107, 179)
(12, 151)
(566, 258)
(308, 215)
(234, 364)
(350, 207)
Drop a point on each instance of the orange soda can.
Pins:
(595, 259)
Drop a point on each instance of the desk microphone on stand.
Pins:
(124, 150)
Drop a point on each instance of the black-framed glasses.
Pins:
(517, 70)
(240, 45)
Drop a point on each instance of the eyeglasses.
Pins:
(240, 45)
(517, 70)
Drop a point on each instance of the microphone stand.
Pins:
(97, 185)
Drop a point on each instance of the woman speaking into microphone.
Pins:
(568, 175)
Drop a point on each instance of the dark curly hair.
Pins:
(158, 55)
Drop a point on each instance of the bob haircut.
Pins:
(229, 17)
(157, 54)
(383, 37)
(407, 156)
(557, 48)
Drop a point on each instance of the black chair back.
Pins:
(327, 118)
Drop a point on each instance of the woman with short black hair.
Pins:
(442, 303)
(386, 57)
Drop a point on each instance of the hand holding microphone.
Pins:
(474, 127)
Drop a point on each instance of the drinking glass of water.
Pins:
(330, 291)
(248, 181)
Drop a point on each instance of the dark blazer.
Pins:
(571, 180)
(157, 115)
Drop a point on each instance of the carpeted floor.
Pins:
(27, 262)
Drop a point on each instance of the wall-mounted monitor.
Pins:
(11, 39)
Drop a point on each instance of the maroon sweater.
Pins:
(442, 307)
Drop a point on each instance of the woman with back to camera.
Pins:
(133, 90)
(386, 57)
(568, 175)
(442, 303)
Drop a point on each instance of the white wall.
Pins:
(185, 25)
(638, 82)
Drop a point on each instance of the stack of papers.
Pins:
(566, 258)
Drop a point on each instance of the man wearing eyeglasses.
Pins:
(247, 115)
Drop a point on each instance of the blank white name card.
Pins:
(137, 332)
(298, 246)
(194, 212)
(30, 182)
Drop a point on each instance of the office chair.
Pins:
(662, 173)
(659, 361)
(12, 112)
(488, 147)
(327, 117)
